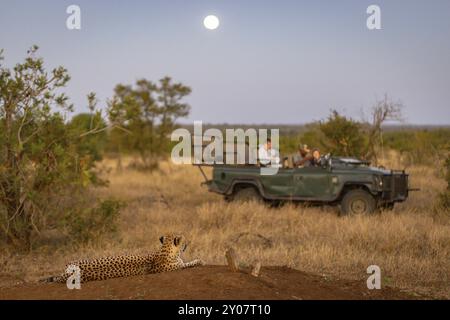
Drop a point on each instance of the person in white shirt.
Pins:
(267, 155)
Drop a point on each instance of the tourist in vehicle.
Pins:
(313, 159)
(316, 158)
(267, 155)
(303, 157)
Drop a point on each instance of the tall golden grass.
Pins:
(411, 244)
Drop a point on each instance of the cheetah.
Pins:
(168, 258)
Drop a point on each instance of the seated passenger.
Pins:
(303, 157)
(316, 158)
(267, 155)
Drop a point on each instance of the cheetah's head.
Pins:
(173, 244)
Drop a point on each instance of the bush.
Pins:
(426, 147)
(90, 224)
(43, 160)
(92, 145)
(338, 135)
(343, 136)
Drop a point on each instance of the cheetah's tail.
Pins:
(51, 279)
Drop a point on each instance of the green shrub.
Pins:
(419, 146)
(91, 224)
(92, 145)
(44, 162)
(343, 135)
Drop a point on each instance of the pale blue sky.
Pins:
(271, 61)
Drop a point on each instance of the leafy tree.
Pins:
(313, 136)
(41, 165)
(92, 144)
(342, 135)
(145, 115)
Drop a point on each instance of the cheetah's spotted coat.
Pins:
(168, 258)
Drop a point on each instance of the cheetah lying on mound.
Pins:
(168, 258)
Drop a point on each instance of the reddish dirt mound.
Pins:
(209, 282)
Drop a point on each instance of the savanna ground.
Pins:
(411, 244)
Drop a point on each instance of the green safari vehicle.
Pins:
(350, 183)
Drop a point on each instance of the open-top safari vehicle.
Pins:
(352, 184)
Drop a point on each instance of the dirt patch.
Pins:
(210, 282)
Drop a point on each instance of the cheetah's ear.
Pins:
(176, 241)
(161, 239)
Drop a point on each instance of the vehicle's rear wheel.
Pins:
(247, 194)
(358, 202)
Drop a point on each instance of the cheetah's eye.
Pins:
(161, 239)
(176, 241)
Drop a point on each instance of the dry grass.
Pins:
(410, 244)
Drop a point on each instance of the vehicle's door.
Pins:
(279, 185)
(312, 182)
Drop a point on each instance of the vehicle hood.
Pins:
(355, 166)
(363, 170)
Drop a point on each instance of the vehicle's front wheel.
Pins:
(247, 194)
(358, 202)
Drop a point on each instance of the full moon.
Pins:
(211, 22)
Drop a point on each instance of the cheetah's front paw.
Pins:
(194, 263)
(201, 262)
